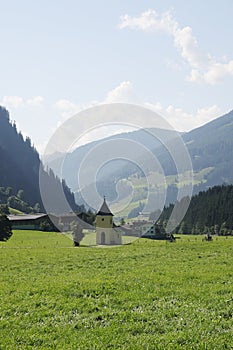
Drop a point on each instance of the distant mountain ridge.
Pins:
(71, 163)
(210, 147)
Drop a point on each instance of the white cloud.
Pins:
(12, 101)
(123, 93)
(204, 115)
(35, 101)
(18, 101)
(184, 121)
(218, 71)
(149, 21)
(204, 67)
(69, 108)
(188, 46)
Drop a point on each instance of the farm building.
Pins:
(40, 222)
(45, 222)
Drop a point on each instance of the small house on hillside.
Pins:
(154, 231)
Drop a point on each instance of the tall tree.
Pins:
(5, 228)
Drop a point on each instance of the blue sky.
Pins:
(58, 57)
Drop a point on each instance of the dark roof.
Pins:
(104, 210)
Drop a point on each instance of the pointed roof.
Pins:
(104, 210)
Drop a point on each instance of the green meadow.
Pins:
(146, 295)
(140, 188)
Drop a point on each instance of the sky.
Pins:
(60, 57)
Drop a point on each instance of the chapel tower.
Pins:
(106, 234)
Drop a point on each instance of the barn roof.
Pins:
(26, 217)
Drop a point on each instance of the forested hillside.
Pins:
(20, 164)
(210, 148)
(209, 211)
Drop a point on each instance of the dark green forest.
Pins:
(209, 211)
(19, 172)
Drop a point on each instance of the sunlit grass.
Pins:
(147, 295)
(15, 211)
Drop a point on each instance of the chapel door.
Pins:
(102, 237)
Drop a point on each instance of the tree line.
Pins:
(209, 211)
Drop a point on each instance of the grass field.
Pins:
(147, 295)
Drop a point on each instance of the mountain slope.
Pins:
(20, 165)
(118, 168)
(210, 148)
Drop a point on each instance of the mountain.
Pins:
(20, 166)
(69, 164)
(210, 148)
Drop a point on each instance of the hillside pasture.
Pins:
(147, 295)
(15, 211)
(140, 188)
